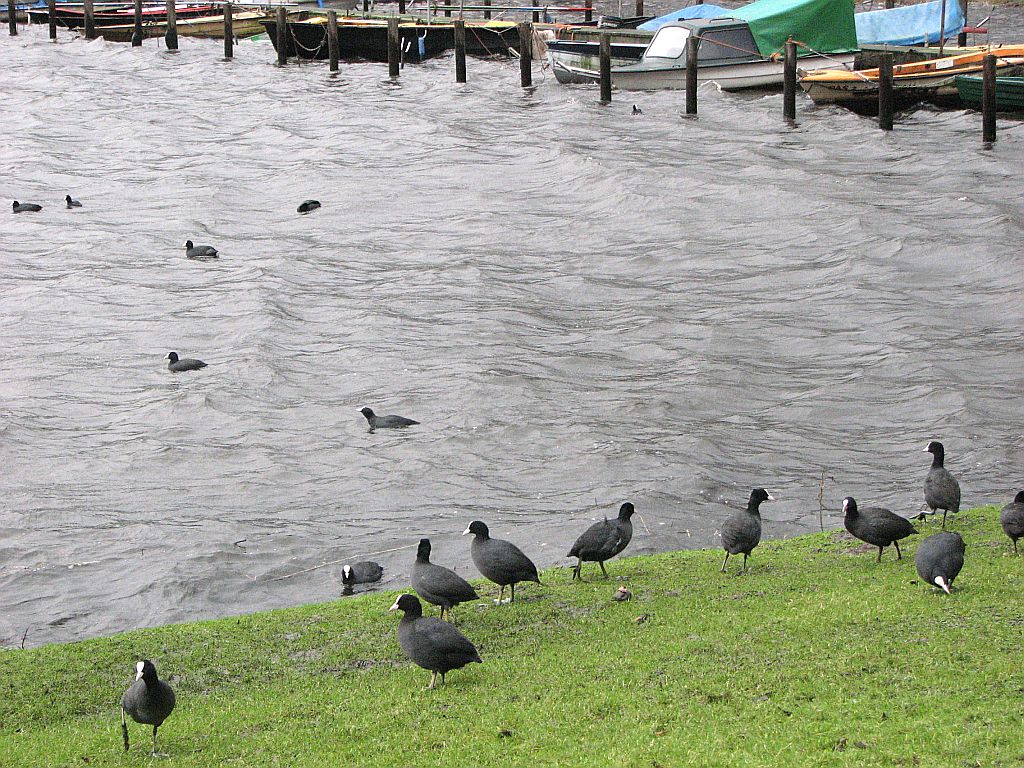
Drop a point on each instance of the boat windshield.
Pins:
(668, 43)
(736, 43)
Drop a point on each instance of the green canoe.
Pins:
(1009, 92)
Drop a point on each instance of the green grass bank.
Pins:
(817, 656)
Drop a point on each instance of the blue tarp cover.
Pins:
(909, 24)
(691, 12)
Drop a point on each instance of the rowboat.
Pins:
(933, 80)
(243, 24)
(1009, 92)
(73, 17)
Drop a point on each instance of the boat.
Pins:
(360, 38)
(243, 24)
(933, 80)
(73, 17)
(919, 24)
(741, 51)
(1009, 92)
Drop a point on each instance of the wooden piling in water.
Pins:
(332, 39)
(51, 9)
(639, 8)
(12, 20)
(886, 101)
(888, 4)
(460, 51)
(282, 36)
(171, 35)
(588, 15)
(487, 14)
(394, 47)
(401, 7)
(526, 54)
(137, 32)
(90, 20)
(988, 99)
(789, 83)
(606, 67)
(229, 32)
(691, 75)
(961, 39)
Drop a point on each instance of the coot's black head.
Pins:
(935, 449)
(188, 244)
(423, 551)
(367, 412)
(756, 497)
(172, 356)
(409, 605)
(67, 199)
(850, 506)
(16, 204)
(477, 528)
(626, 511)
(1019, 498)
(145, 670)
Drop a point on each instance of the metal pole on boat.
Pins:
(171, 35)
(487, 14)
(606, 67)
(789, 83)
(588, 15)
(988, 99)
(942, 28)
(332, 39)
(229, 32)
(885, 93)
(460, 50)
(51, 11)
(394, 47)
(282, 36)
(691, 74)
(90, 20)
(137, 33)
(526, 54)
(12, 20)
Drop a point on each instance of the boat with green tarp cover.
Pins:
(744, 49)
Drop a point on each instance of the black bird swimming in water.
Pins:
(71, 203)
(385, 422)
(308, 206)
(177, 365)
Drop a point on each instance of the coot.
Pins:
(308, 205)
(184, 364)
(26, 207)
(385, 422)
(941, 490)
(500, 561)
(199, 251)
(437, 584)
(1012, 519)
(71, 203)
(431, 643)
(939, 559)
(365, 572)
(148, 701)
(603, 541)
(742, 531)
(877, 526)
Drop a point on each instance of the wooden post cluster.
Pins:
(332, 39)
(460, 51)
(526, 54)
(171, 35)
(988, 99)
(51, 9)
(229, 32)
(12, 21)
(606, 67)
(90, 20)
(137, 32)
(282, 36)
(691, 75)
(394, 47)
(886, 101)
(789, 82)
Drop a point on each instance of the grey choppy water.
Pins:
(581, 307)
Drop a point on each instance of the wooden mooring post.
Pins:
(886, 101)
(588, 15)
(332, 39)
(961, 38)
(394, 47)
(691, 75)
(789, 83)
(171, 35)
(12, 20)
(460, 51)
(51, 9)
(606, 67)
(639, 8)
(487, 14)
(526, 54)
(137, 32)
(229, 32)
(988, 99)
(282, 36)
(401, 7)
(90, 20)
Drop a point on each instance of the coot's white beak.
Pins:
(770, 497)
(466, 531)
(138, 670)
(943, 585)
(394, 607)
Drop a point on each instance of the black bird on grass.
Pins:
(385, 422)
(1011, 518)
(939, 559)
(431, 643)
(603, 541)
(742, 531)
(500, 561)
(177, 365)
(71, 203)
(365, 572)
(26, 207)
(941, 490)
(876, 526)
(437, 584)
(149, 701)
(199, 251)
(308, 206)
